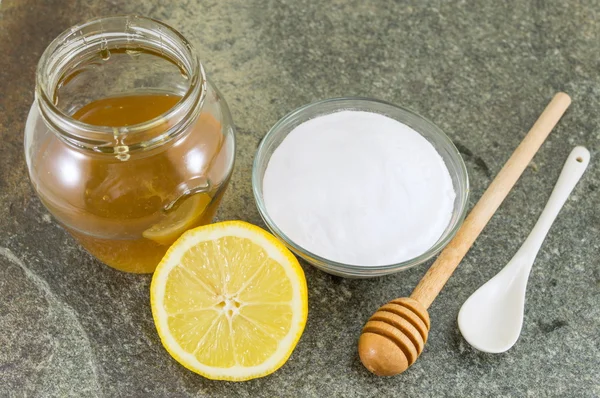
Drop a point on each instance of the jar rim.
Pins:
(94, 136)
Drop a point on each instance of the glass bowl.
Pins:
(427, 129)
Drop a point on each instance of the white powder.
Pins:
(359, 188)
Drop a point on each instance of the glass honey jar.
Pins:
(128, 144)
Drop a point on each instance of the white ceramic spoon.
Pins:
(491, 319)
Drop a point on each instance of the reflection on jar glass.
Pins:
(127, 144)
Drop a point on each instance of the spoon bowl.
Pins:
(492, 318)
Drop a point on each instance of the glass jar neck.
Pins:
(76, 49)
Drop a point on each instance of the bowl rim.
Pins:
(357, 270)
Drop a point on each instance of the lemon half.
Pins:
(229, 301)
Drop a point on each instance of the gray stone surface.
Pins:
(483, 71)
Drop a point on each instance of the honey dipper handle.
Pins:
(441, 270)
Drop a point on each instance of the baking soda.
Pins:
(359, 188)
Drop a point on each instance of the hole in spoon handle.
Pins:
(581, 155)
(576, 163)
(571, 173)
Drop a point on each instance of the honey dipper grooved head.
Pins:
(394, 337)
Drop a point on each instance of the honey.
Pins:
(109, 205)
(128, 143)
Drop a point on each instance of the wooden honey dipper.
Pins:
(395, 335)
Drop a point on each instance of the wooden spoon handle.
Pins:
(441, 270)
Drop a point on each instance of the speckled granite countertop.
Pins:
(483, 71)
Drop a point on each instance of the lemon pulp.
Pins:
(229, 301)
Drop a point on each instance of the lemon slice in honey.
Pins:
(179, 220)
(229, 301)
